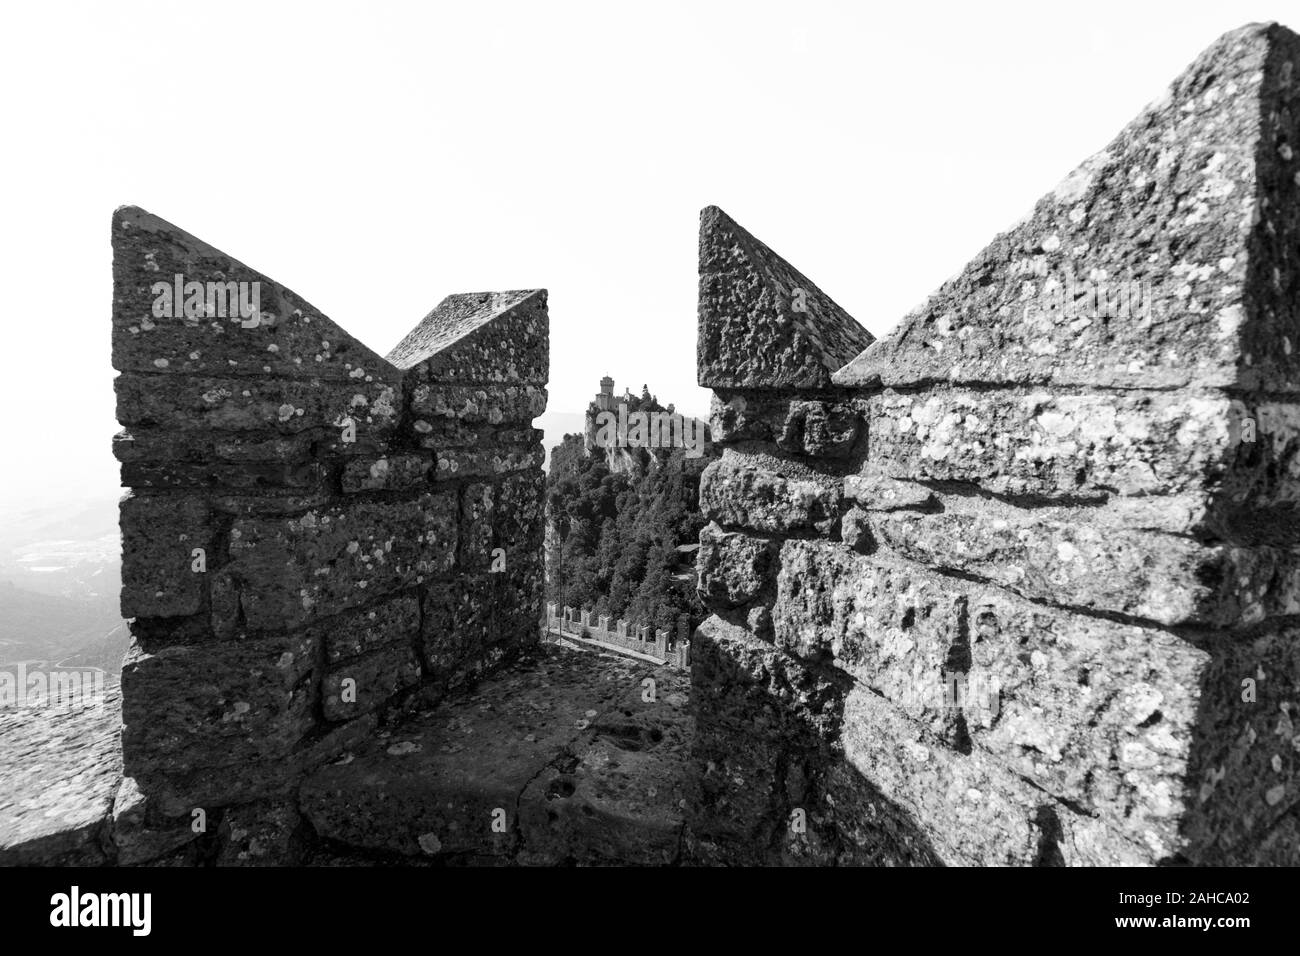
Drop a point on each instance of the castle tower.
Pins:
(605, 400)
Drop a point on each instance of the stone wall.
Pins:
(1018, 584)
(316, 537)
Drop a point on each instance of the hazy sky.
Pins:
(376, 156)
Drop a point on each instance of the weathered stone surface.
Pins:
(480, 338)
(751, 489)
(618, 796)
(764, 723)
(139, 833)
(763, 324)
(268, 503)
(491, 462)
(520, 592)
(733, 567)
(60, 772)
(159, 535)
(749, 415)
(526, 752)
(801, 422)
(1245, 766)
(519, 521)
(374, 679)
(277, 778)
(1070, 552)
(395, 621)
(260, 834)
(877, 493)
(1096, 558)
(295, 570)
(495, 405)
(872, 831)
(250, 699)
(277, 407)
(258, 463)
(822, 429)
(459, 619)
(1267, 471)
(387, 473)
(477, 509)
(1280, 846)
(1050, 444)
(291, 339)
(1193, 203)
(971, 810)
(289, 531)
(1054, 696)
(881, 629)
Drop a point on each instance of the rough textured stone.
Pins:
(1244, 772)
(159, 536)
(283, 407)
(490, 463)
(262, 834)
(763, 728)
(733, 567)
(395, 621)
(750, 489)
(480, 338)
(140, 833)
(1194, 201)
(801, 422)
(1052, 695)
(970, 810)
(561, 753)
(763, 324)
(1056, 621)
(251, 699)
(514, 404)
(294, 570)
(291, 339)
(1026, 442)
(877, 493)
(374, 677)
(1097, 558)
(289, 533)
(387, 473)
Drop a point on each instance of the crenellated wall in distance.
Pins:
(315, 536)
(1019, 585)
(585, 625)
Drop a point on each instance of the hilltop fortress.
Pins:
(1016, 585)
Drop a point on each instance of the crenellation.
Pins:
(1038, 553)
(655, 644)
(313, 533)
(1016, 585)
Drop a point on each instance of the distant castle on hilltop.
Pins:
(634, 422)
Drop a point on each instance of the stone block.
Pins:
(159, 537)
(363, 684)
(215, 706)
(481, 338)
(295, 570)
(733, 567)
(387, 473)
(772, 495)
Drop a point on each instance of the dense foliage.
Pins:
(615, 533)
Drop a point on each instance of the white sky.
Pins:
(376, 156)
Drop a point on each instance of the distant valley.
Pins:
(60, 573)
